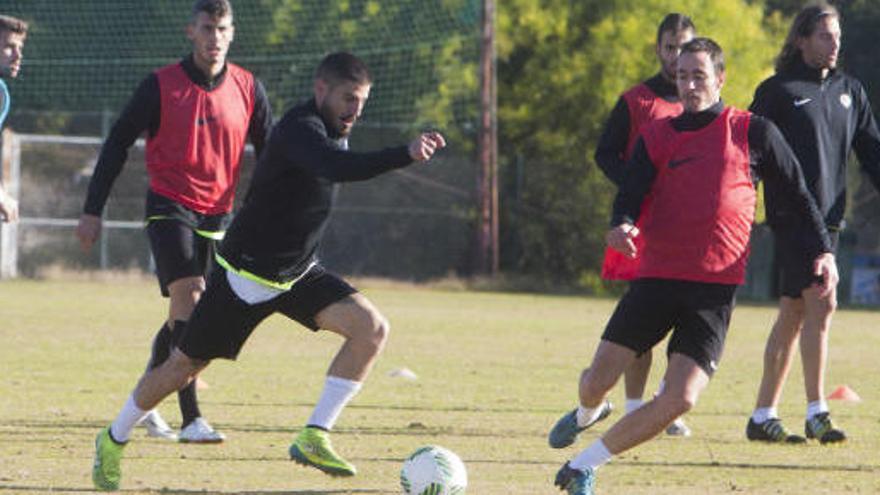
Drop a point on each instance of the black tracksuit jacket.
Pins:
(277, 232)
(823, 120)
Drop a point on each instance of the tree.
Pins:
(423, 56)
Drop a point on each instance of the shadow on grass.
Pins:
(690, 464)
(27, 428)
(168, 491)
(389, 407)
(749, 465)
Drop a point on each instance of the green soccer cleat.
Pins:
(105, 471)
(312, 448)
(771, 431)
(821, 428)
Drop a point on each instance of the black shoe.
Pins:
(821, 428)
(771, 431)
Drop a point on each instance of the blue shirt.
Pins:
(4, 102)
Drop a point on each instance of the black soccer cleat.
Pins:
(771, 431)
(821, 428)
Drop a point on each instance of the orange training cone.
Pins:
(845, 393)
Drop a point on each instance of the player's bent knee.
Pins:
(184, 365)
(677, 405)
(377, 333)
(828, 305)
(820, 307)
(383, 329)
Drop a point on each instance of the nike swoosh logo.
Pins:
(801, 102)
(678, 163)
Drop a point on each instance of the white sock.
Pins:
(337, 393)
(591, 457)
(762, 414)
(129, 416)
(633, 404)
(586, 415)
(816, 407)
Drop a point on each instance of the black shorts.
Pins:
(222, 322)
(697, 313)
(794, 267)
(178, 250)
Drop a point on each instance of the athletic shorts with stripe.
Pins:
(179, 249)
(222, 322)
(698, 314)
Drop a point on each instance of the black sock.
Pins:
(187, 397)
(161, 347)
(189, 403)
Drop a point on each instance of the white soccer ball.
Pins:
(433, 470)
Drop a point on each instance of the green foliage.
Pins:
(786, 7)
(87, 56)
(859, 24)
(423, 55)
(563, 65)
(84, 58)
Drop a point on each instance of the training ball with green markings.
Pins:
(433, 470)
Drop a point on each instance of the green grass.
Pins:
(495, 372)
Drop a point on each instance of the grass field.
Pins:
(495, 371)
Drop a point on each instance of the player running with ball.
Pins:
(268, 264)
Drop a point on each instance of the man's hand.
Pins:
(88, 230)
(620, 239)
(824, 266)
(423, 147)
(8, 207)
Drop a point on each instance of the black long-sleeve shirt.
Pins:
(143, 113)
(823, 119)
(611, 149)
(770, 160)
(278, 230)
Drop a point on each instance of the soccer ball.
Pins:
(433, 470)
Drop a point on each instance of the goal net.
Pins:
(84, 58)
